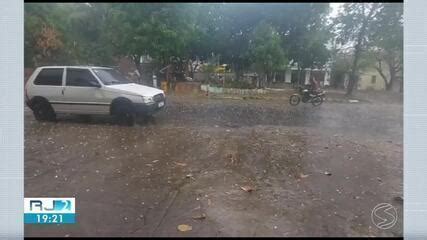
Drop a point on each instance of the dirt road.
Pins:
(308, 171)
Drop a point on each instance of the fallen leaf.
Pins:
(303, 175)
(247, 188)
(181, 164)
(184, 228)
(200, 216)
(328, 173)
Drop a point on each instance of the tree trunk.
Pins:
(299, 74)
(136, 61)
(351, 83)
(393, 73)
(357, 51)
(269, 79)
(274, 80)
(193, 69)
(353, 73)
(238, 72)
(389, 86)
(384, 77)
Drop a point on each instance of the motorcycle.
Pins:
(307, 96)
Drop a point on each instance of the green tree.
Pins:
(340, 65)
(266, 52)
(306, 35)
(43, 40)
(229, 28)
(172, 34)
(87, 41)
(62, 33)
(387, 43)
(354, 25)
(160, 30)
(234, 24)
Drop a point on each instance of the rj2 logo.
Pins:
(57, 205)
(49, 210)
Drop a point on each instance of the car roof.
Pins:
(86, 67)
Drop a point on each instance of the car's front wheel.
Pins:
(124, 114)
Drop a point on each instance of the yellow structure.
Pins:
(370, 79)
(221, 69)
(164, 86)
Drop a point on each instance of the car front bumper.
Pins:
(148, 109)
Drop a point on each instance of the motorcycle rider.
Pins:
(314, 85)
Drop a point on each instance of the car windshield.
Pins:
(110, 76)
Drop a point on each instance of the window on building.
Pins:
(373, 79)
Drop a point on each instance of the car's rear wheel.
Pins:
(43, 111)
(124, 114)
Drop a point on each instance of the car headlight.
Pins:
(147, 99)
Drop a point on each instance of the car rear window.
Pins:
(49, 76)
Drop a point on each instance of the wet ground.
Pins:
(225, 167)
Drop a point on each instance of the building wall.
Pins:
(288, 76)
(370, 79)
(327, 79)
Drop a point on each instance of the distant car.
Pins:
(89, 90)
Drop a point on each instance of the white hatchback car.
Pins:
(89, 90)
